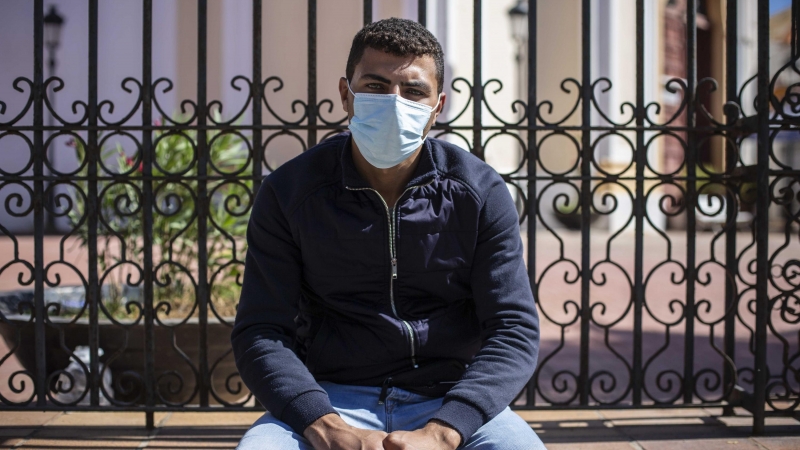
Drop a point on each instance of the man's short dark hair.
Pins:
(400, 37)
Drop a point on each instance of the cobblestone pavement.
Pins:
(587, 429)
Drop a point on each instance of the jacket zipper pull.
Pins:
(394, 268)
(384, 390)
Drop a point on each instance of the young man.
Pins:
(385, 302)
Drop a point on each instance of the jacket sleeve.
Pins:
(264, 329)
(507, 315)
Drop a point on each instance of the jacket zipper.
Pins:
(390, 216)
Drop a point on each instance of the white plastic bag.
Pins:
(76, 389)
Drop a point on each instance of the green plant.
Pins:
(175, 222)
(568, 208)
(704, 180)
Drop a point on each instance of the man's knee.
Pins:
(507, 431)
(268, 433)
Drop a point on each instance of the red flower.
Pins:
(130, 162)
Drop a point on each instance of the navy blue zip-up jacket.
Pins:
(340, 287)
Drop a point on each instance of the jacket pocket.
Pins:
(318, 344)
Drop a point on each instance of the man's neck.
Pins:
(388, 182)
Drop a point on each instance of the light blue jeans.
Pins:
(403, 410)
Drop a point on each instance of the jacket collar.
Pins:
(424, 173)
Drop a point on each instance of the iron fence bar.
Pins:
(691, 194)
(312, 73)
(585, 197)
(422, 12)
(256, 93)
(731, 269)
(477, 80)
(147, 212)
(532, 168)
(38, 213)
(367, 12)
(202, 196)
(795, 36)
(762, 221)
(639, 210)
(92, 156)
(258, 160)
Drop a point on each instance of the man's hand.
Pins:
(330, 432)
(434, 436)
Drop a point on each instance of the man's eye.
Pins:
(375, 86)
(416, 92)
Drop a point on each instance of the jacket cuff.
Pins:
(305, 409)
(462, 416)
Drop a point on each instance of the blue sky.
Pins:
(778, 5)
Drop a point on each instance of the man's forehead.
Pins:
(378, 62)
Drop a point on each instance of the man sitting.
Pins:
(386, 304)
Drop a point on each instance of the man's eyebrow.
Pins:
(372, 76)
(419, 84)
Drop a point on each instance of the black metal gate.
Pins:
(170, 230)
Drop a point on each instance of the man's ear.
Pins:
(440, 108)
(344, 93)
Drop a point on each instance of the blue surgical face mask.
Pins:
(388, 128)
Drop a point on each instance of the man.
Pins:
(385, 302)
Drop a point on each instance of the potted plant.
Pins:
(176, 231)
(569, 215)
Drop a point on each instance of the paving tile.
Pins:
(193, 437)
(736, 421)
(710, 429)
(86, 437)
(26, 418)
(9, 432)
(117, 418)
(781, 422)
(242, 419)
(558, 415)
(622, 445)
(700, 444)
(76, 444)
(653, 412)
(93, 432)
(657, 421)
(595, 434)
(739, 421)
(573, 424)
(190, 444)
(779, 443)
(9, 441)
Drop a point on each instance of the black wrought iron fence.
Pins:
(694, 316)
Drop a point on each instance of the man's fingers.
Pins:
(392, 446)
(374, 440)
(395, 441)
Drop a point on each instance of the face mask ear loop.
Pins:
(348, 88)
(434, 122)
(438, 100)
